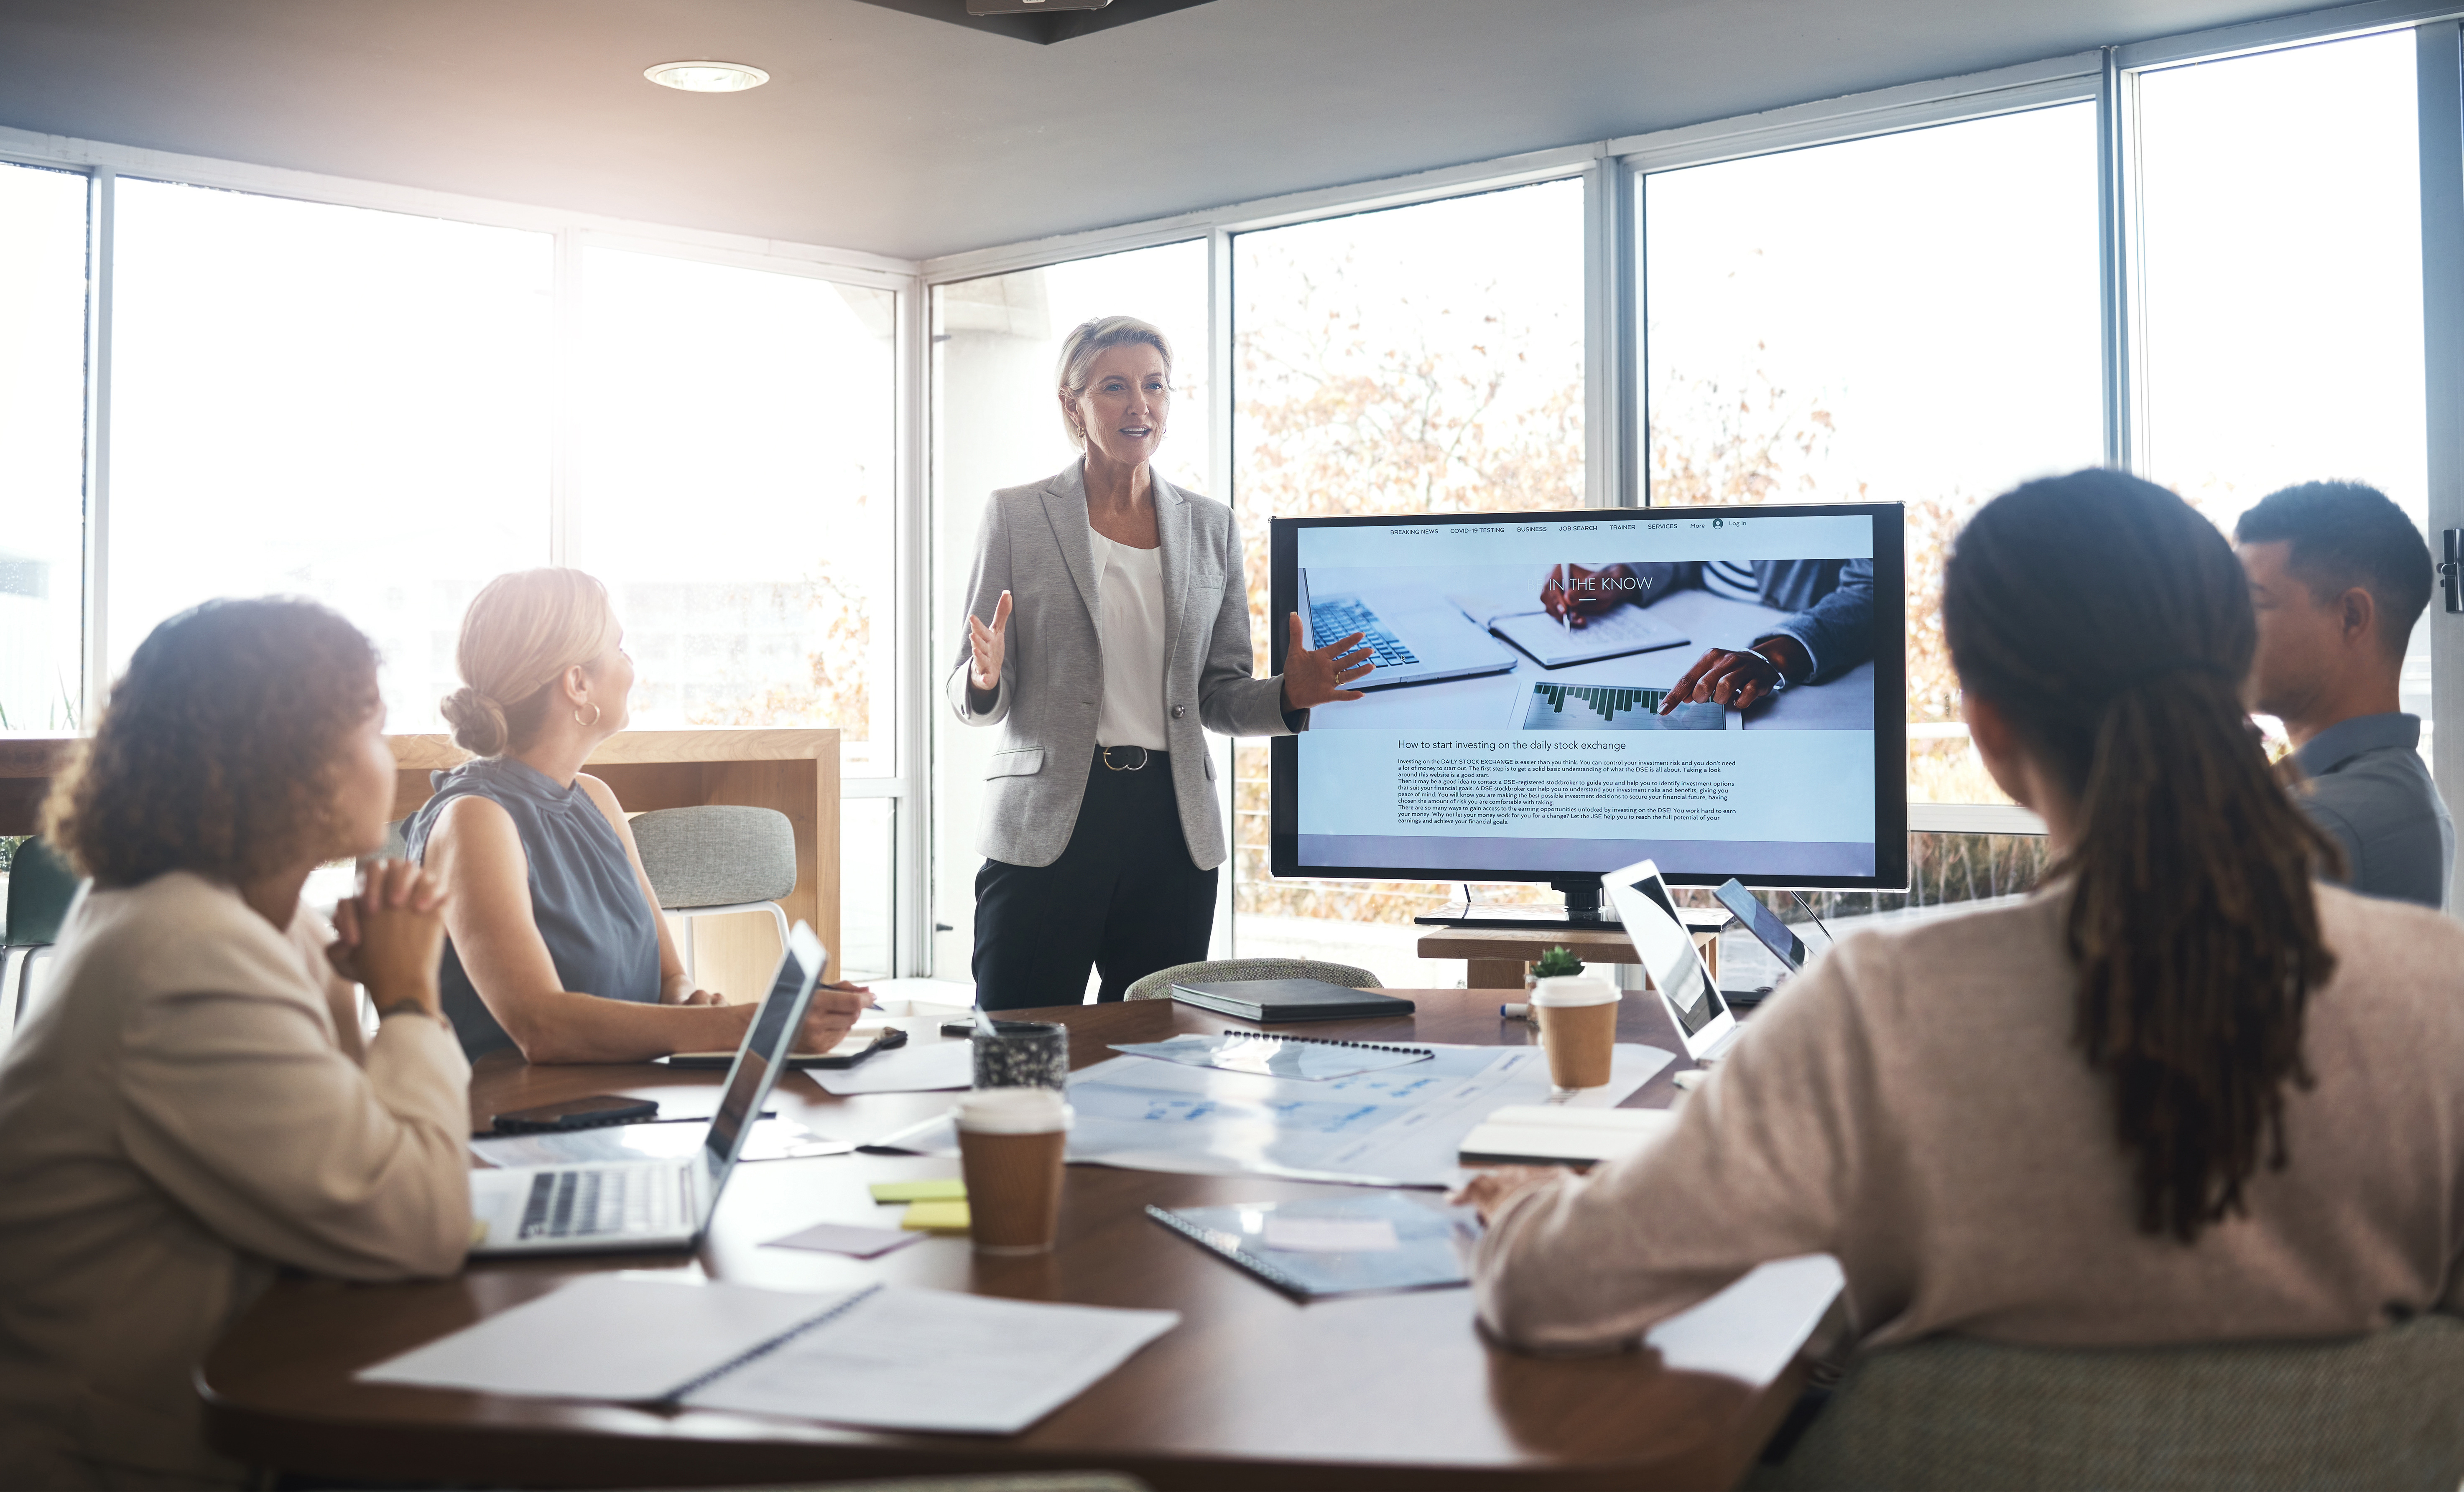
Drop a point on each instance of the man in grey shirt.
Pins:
(2338, 576)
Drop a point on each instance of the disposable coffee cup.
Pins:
(1010, 1144)
(1578, 1014)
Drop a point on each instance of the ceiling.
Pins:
(896, 134)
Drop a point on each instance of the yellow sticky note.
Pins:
(940, 1189)
(937, 1217)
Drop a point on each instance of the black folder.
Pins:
(1270, 1001)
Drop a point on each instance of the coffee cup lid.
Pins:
(1574, 989)
(1012, 1110)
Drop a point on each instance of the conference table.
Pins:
(1251, 1389)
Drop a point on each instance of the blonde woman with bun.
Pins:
(555, 943)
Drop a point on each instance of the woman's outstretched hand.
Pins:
(1318, 676)
(984, 672)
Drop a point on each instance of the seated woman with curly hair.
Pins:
(191, 1107)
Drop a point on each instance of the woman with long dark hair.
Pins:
(2186, 1092)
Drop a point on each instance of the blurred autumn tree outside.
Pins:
(835, 688)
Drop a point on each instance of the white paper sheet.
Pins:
(607, 1336)
(920, 1069)
(913, 1359)
(1754, 1328)
(1402, 1127)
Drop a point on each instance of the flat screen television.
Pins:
(1499, 740)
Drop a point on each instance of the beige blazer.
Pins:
(1034, 545)
(1914, 1103)
(177, 1117)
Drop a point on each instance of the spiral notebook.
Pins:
(1267, 1054)
(886, 1358)
(1316, 1247)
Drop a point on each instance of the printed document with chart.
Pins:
(1401, 1126)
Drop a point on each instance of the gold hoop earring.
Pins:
(595, 714)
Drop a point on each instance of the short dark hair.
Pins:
(2343, 534)
(218, 750)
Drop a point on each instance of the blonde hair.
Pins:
(522, 631)
(1090, 340)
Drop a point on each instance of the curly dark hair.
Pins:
(2112, 624)
(218, 750)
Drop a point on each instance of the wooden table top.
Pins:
(1394, 1391)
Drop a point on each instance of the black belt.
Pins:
(1142, 756)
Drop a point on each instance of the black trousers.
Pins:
(1123, 898)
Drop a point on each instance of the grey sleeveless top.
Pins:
(589, 908)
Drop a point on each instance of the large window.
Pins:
(42, 448)
(996, 344)
(2280, 312)
(734, 452)
(326, 401)
(1911, 318)
(1427, 359)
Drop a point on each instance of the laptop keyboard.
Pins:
(1334, 620)
(580, 1204)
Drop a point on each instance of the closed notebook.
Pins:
(1272, 1000)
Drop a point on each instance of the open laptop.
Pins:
(637, 1204)
(1411, 641)
(1692, 997)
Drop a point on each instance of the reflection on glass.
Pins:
(1911, 319)
(42, 448)
(733, 468)
(1427, 359)
(996, 424)
(2281, 298)
(330, 401)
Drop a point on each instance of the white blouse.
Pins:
(1128, 593)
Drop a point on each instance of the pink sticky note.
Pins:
(838, 1237)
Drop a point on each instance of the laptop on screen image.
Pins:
(1410, 641)
(645, 1204)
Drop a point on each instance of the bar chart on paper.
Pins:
(1611, 707)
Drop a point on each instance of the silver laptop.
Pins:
(1412, 640)
(635, 1204)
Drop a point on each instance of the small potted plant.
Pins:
(1557, 963)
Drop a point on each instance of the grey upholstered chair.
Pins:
(713, 861)
(40, 887)
(1229, 970)
(2384, 1410)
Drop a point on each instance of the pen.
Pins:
(1514, 1012)
(1566, 597)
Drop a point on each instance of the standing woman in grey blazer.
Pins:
(1108, 629)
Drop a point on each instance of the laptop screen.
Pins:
(758, 1060)
(1667, 951)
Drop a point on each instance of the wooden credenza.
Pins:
(793, 770)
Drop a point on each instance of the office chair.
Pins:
(40, 887)
(1231, 970)
(714, 861)
(2377, 1412)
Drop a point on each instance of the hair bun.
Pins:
(479, 722)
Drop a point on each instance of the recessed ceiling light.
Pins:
(706, 77)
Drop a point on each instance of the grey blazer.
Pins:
(1034, 545)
